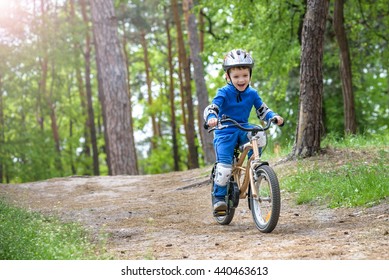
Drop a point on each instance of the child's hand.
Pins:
(280, 120)
(212, 122)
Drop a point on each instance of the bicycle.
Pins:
(256, 180)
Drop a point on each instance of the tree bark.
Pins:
(173, 123)
(202, 28)
(350, 122)
(88, 85)
(53, 118)
(2, 132)
(88, 170)
(126, 56)
(42, 88)
(120, 148)
(201, 88)
(43, 61)
(309, 127)
(48, 95)
(190, 127)
(146, 60)
(77, 49)
(70, 152)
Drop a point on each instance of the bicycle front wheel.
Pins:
(266, 207)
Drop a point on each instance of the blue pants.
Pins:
(224, 145)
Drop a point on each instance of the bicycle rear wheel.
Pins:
(266, 207)
(223, 218)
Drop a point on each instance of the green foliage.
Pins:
(31, 236)
(160, 160)
(268, 29)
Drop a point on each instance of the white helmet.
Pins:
(238, 58)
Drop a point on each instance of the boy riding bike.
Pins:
(234, 100)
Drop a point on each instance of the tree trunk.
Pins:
(309, 127)
(53, 115)
(201, 88)
(190, 127)
(53, 118)
(42, 90)
(173, 123)
(80, 86)
(182, 89)
(43, 61)
(120, 148)
(2, 133)
(71, 147)
(126, 57)
(49, 95)
(91, 115)
(350, 122)
(202, 28)
(156, 133)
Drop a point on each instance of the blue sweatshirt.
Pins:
(238, 105)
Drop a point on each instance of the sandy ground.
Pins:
(169, 216)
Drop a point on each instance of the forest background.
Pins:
(51, 92)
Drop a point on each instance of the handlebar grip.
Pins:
(274, 120)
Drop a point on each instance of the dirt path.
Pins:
(159, 217)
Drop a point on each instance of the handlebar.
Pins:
(226, 119)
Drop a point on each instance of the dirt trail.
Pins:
(169, 216)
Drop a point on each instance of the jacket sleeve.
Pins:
(263, 111)
(212, 111)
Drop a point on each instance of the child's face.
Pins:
(240, 77)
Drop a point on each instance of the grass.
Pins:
(26, 235)
(357, 141)
(347, 186)
(359, 181)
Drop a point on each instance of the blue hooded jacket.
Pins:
(238, 105)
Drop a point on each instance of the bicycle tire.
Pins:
(266, 208)
(226, 219)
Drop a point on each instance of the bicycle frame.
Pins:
(252, 163)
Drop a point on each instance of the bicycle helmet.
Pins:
(238, 58)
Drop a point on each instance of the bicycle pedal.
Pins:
(219, 213)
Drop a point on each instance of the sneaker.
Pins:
(220, 206)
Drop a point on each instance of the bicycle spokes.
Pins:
(268, 216)
(265, 208)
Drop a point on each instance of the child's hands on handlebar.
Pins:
(280, 120)
(212, 122)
